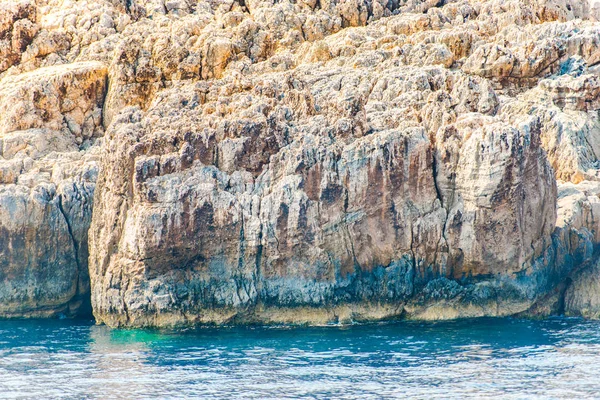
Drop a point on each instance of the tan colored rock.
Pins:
(297, 161)
(49, 120)
(340, 204)
(43, 243)
(579, 208)
(65, 98)
(17, 29)
(270, 154)
(567, 108)
(575, 240)
(482, 171)
(581, 297)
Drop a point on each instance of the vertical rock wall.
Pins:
(297, 161)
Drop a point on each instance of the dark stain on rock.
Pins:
(311, 182)
(331, 193)
(282, 226)
(204, 218)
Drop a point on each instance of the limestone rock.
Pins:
(50, 118)
(485, 167)
(581, 205)
(44, 265)
(338, 182)
(341, 207)
(296, 161)
(581, 297)
(575, 246)
(67, 97)
(17, 29)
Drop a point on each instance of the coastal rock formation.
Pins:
(49, 119)
(17, 30)
(581, 296)
(582, 212)
(328, 189)
(306, 161)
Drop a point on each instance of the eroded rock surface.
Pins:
(297, 161)
(48, 166)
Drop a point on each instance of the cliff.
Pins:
(308, 161)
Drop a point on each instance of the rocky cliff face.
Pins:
(298, 161)
(48, 118)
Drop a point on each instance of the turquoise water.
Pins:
(502, 358)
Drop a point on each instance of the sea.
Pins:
(557, 358)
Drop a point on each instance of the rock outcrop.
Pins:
(307, 161)
(49, 119)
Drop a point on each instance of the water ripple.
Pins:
(507, 358)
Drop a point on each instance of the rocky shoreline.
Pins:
(176, 163)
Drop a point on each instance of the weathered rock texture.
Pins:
(303, 161)
(47, 179)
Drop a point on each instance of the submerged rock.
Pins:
(296, 161)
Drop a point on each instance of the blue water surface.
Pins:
(487, 358)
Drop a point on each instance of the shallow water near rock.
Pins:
(557, 358)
